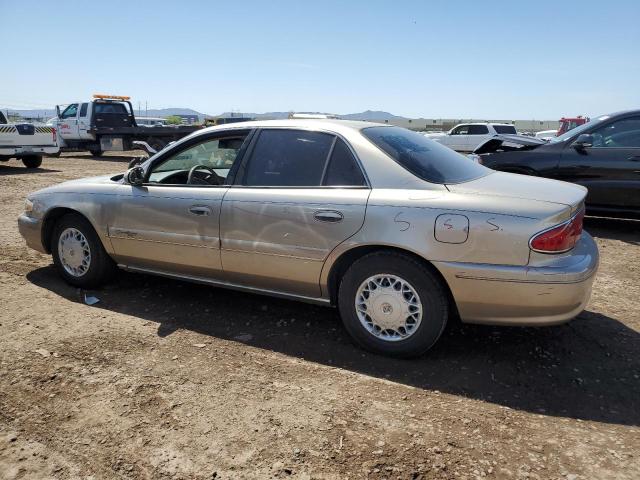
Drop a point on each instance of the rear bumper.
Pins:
(19, 151)
(31, 230)
(524, 295)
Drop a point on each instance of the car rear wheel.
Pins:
(96, 153)
(392, 304)
(32, 161)
(78, 253)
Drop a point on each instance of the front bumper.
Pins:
(524, 295)
(31, 230)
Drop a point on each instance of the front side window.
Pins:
(461, 130)
(478, 130)
(621, 134)
(208, 162)
(288, 158)
(70, 112)
(424, 158)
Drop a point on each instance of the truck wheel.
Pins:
(78, 253)
(96, 153)
(393, 305)
(32, 161)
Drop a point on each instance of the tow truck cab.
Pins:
(107, 123)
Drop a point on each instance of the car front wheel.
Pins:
(78, 253)
(392, 304)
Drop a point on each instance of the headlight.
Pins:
(28, 206)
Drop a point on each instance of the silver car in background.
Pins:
(397, 231)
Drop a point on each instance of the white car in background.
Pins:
(547, 134)
(466, 137)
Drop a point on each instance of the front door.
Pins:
(299, 194)
(68, 123)
(171, 223)
(610, 169)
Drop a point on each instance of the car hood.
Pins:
(507, 143)
(82, 184)
(523, 187)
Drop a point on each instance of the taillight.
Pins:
(559, 239)
(53, 134)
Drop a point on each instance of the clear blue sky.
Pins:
(503, 59)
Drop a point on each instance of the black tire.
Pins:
(96, 153)
(101, 267)
(428, 287)
(32, 161)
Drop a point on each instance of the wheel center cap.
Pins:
(387, 311)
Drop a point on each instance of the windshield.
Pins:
(578, 130)
(424, 158)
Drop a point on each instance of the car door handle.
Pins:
(635, 158)
(330, 216)
(201, 210)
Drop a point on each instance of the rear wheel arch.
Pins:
(346, 259)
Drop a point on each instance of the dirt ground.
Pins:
(165, 379)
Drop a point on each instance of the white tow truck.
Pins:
(107, 123)
(26, 142)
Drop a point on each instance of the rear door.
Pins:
(84, 124)
(610, 169)
(299, 195)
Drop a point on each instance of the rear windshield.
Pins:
(110, 108)
(424, 158)
(507, 129)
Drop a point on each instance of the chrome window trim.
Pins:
(247, 157)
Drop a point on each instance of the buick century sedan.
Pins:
(396, 231)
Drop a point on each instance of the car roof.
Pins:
(488, 123)
(303, 123)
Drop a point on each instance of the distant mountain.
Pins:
(370, 115)
(166, 112)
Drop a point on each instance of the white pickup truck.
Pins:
(26, 142)
(466, 137)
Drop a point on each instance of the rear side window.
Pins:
(424, 158)
(83, 110)
(288, 158)
(343, 169)
(506, 129)
(478, 130)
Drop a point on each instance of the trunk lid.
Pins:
(26, 134)
(507, 143)
(542, 198)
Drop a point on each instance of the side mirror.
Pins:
(583, 141)
(135, 176)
